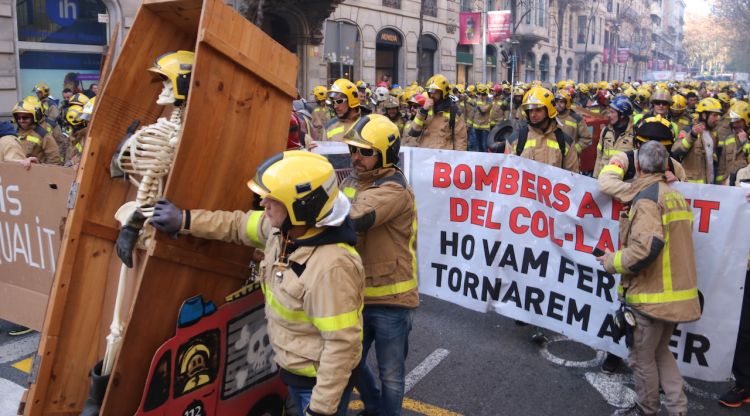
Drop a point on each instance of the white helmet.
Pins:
(381, 93)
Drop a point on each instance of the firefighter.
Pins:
(481, 121)
(571, 122)
(695, 145)
(77, 134)
(542, 140)
(384, 216)
(346, 107)
(617, 136)
(731, 156)
(10, 148)
(322, 113)
(660, 102)
(393, 112)
(49, 106)
(439, 122)
(659, 280)
(678, 111)
(415, 103)
(311, 275)
(36, 141)
(497, 113)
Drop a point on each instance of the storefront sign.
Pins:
(389, 37)
(498, 26)
(470, 28)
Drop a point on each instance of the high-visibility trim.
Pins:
(554, 145)
(309, 371)
(482, 126)
(79, 147)
(333, 132)
(719, 178)
(532, 143)
(348, 248)
(686, 144)
(595, 110)
(684, 122)
(676, 216)
(618, 262)
(696, 181)
(418, 121)
(325, 323)
(611, 152)
(33, 139)
(579, 147)
(729, 140)
(613, 168)
(349, 192)
(251, 228)
(571, 123)
(392, 289)
(665, 297)
(446, 115)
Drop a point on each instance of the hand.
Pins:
(167, 217)
(309, 412)
(428, 103)
(698, 129)
(125, 244)
(312, 144)
(28, 162)
(742, 136)
(670, 176)
(606, 259)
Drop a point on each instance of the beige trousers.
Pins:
(653, 365)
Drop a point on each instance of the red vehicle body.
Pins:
(588, 157)
(219, 362)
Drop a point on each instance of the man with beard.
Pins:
(695, 144)
(618, 135)
(439, 121)
(346, 106)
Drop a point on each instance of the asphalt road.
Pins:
(468, 363)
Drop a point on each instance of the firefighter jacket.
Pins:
(497, 113)
(320, 117)
(406, 139)
(482, 114)
(657, 259)
(336, 129)
(10, 149)
(696, 155)
(314, 297)
(599, 110)
(51, 111)
(575, 126)
(385, 218)
(543, 146)
(75, 148)
(682, 120)
(38, 143)
(616, 178)
(398, 121)
(730, 157)
(611, 143)
(470, 107)
(435, 128)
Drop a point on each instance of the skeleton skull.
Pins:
(167, 94)
(259, 350)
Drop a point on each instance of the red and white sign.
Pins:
(470, 28)
(623, 54)
(498, 26)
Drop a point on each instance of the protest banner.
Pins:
(510, 235)
(33, 207)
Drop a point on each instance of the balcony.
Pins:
(531, 33)
(655, 10)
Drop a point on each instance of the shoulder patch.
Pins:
(651, 193)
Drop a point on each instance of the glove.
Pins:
(128, 236)
(309, 412)
(167, 218)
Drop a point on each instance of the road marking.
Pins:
(10, 397)
(18, 349)
(613, 389)
(569, 363)
(24, 365)
(413, 405)
(425, 367)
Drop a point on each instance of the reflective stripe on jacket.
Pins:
(609, 145)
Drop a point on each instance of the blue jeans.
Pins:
(472, 146)
(301, 397)
(389, 328)
(481, 139)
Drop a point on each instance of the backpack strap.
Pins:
(523, 134)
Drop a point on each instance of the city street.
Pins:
(465, 363)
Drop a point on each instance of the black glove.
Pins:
(309, 412)
(167, 218)
(128, 236)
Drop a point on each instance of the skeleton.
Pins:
(146, 157)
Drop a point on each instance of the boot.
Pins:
(97, 389)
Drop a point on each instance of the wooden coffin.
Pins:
(237, 115)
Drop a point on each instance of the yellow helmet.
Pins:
(643, 95)
(176, 66)
(196, 351)
(582, 88)
(708, 105)
(73, 115)
(630, 93)
(655, 128)
(603, 85)
(740, 111)
(518, 91)
(88, 109)
(471, 89)
(439, 82)
(304, 182)
(43, 88)
(320, 93)
(34, 102)
(723, 97)
(563, 95)
(481, 89)
(679, 103)
(661, 94)
(346, 87)
(377, 132)
(391, 102)
(538, 97)
(24, 107)
(561, 84)
(78, 99)
(396, 92)
(459, 89)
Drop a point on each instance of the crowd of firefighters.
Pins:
(338, 261)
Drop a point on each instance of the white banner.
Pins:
(505, 234)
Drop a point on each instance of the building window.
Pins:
(530, 67)
(491, 64)
(609, 5)
(606, 39)
(581, 29)
(341, 50)
(529, 10)
(426, 62)
(465, 5)
(593, 31)
(388, 56)
(396, 4)
(541, 13)
(570, 31)
(558, 69)
(430, 7)
(464, 60)
(569, 69)
(544, 68)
